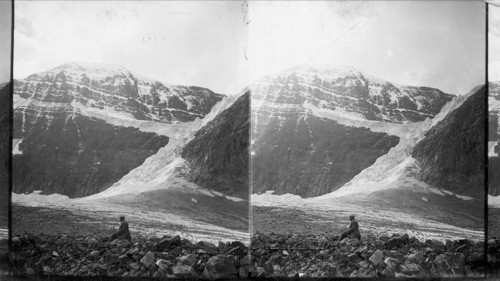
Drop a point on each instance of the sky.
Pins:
(225, 45)
(494, 43)
(5, 38)
(423, 43)
(185, 42)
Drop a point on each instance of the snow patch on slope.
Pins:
(18, 101)
(493, 201)
(15, 145)
(491, 149)
(268, 198)
(493, 103)
(36, 198)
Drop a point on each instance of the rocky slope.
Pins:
(299, 146)
(309, 156)
(218, 155)
(271, 255)
(71, 133)
(167, 257)
(387, 257)
(493, 223)
(451, 156)
(76, 156)
(493, 139)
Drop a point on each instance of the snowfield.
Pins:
(494, 201)
(151, 220)
(373, 217)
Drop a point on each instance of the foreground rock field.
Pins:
(95, 256)
(271, 255)
(396, 256)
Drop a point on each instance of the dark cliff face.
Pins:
(5, 139)
(494, 176)
(218, 155)
(310, 156)
(75, 155)
(493, 139)
(452, 153)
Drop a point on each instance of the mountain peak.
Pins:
(76, 70)
(323, 68)
(90, 67)
(73, 66)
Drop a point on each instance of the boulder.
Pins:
(397, 241)
(417, 257)
(457, 263)
(436, 245)
(206, 247)
(243, 273)
(410, 267)
(184, 271)
(260, 272)
(237, 251)
(246, 260)
(220, 266)
(441, 266)
(168, 242)
(30, 271)
(377, 258)
(148, 259)
(189, 259)
(135, 266)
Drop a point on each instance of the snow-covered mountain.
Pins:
(398, 169)
(315, 128)
(115, 89)
(168, 165)
(198, 182)
(79, 128)
(346, 90)
(422, 174)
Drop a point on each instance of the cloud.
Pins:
(438, 44)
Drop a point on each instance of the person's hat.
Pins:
(122, 217)
(351, 216)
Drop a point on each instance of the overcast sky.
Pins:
(5, 38)
(185, 42)
(437, 44)
(431, 43)
(494, 43)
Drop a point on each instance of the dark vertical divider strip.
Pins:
(11, 120)
(486, 140)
